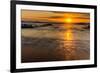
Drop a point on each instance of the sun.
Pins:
(68, 20)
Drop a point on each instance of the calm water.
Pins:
(55, 45)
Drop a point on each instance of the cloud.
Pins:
(53, 16)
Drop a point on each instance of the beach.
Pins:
(40, 45)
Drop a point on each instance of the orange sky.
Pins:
(52, 16)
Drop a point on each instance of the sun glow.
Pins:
(68, 20)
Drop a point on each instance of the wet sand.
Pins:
(36, 49)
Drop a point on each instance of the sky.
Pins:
(55, 16)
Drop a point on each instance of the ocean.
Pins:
(40, 45)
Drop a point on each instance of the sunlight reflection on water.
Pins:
(49, 45)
